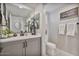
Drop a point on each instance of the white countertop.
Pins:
(19, 38)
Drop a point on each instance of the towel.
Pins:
(71, 29)
(61, 28)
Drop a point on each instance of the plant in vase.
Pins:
(6, 32)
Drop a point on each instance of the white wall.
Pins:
(53, 16)
(53, 26)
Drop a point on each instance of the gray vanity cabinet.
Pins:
(33, 47)
(28, 47)
(12, 48)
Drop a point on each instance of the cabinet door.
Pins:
(33, 47)
(12, 49)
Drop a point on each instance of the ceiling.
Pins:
(53, 6)
(32, 5)
(21, 9)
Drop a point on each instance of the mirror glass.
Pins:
(16, 19)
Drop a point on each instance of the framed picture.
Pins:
(70, 13)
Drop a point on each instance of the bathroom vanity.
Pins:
(29, 45)
(22, 45)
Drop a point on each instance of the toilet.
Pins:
(50, 49)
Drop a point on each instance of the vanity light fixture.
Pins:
(22, 6)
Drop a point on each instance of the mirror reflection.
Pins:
(14, 19)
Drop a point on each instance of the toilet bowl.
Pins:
(50, 49)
